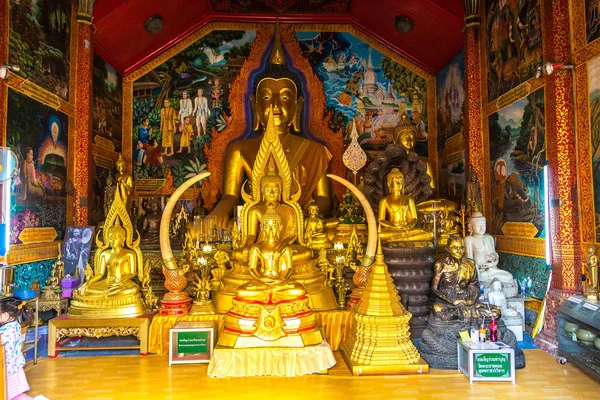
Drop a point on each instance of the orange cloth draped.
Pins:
(336, 326)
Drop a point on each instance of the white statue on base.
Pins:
(497, 297)
(481, 247)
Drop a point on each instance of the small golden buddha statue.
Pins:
(278, 305)
(112, 281)
(456, 288)
(110, 292)
(277, 95)
(398, 214)
(124, 182)
(314, 229)
(591, 290)
(405, 134)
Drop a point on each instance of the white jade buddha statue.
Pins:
(481, 247)
(497, 297)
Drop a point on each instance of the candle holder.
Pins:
(203, 264)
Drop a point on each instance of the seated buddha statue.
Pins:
(497, 297)
(151, 226)
(276, 88)
(271, 310)
(455, 287)
(314, 229)
(271, 186)
(110, 292)
(480, 247)
(397, 213)
(405, 134)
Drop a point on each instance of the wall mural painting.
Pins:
(38, 135)
(102, 192)
(107, 106)
(181, 104)
(39, 43)
(592, 18)
(450, 102)
(517, 155)
(594, 93)
(364, 87)
(452, 181)
(514, 43)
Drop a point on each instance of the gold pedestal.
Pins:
(320, 295)
(419, 367)
(202, 307)
(107, 308)
(270, 361)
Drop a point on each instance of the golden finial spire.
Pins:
(277, 57)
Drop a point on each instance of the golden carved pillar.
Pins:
(562, 165)
(83, 102)
(473, 106)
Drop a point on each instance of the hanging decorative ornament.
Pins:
(354, 157)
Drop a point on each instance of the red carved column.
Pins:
(473, 106)
(562, 165)
(83, 104)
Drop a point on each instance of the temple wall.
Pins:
(38, 117)
(514, 138)
(346, 78)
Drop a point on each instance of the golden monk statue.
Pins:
(276, 93)
(405, 134)
(398, 214)
(110, 291)
(456, 288)
(591, 291)
(314, 229)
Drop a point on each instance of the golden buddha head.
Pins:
(277, 89)
(116, 235)
(313, 209)
(405, 133)
(395, 181)
(456, 247)
(271, 184)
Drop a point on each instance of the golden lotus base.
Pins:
(419, 367)
(270, 361)
(202, 307)
(118, 308)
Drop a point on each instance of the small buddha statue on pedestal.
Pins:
(314, 229)
(497, 297)
(151, 226)
(480, 247)
(591, 290)
(398, 214)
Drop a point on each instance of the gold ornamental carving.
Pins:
(98, 332)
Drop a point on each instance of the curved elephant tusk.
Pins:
(165, 243)
(371, 220)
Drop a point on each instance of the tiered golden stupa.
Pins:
(110, 292)
(271, 310)
(379, 342)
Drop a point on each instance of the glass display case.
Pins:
(579, 334)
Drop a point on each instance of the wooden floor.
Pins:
(136, 377)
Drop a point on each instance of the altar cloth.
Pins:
(270, 361)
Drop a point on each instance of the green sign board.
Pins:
(492, 365)
(192, 342)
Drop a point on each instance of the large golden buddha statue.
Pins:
(110, 292)
(405, 134)
(276, 94)
(397, 213)
(271, 309)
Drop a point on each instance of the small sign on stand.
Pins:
(488, 361)
(192, 342)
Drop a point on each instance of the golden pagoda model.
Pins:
(110, 292)
(379, 342)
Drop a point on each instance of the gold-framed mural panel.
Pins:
(25, 253)
(534, 247)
